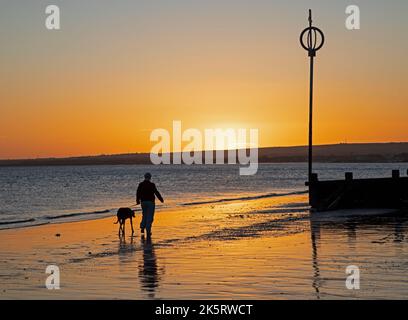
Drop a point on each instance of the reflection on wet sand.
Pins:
(126, 249)
(146, 256)
(393, 226)
(315, 234)
(148, 269)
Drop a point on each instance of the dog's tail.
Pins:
(117, 221)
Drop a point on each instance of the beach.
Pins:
(259, 248)
(270, 135)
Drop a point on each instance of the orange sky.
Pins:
(112, 74)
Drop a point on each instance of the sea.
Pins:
(39, 195)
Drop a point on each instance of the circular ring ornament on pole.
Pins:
(312, 39)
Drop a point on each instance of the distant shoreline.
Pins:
(226, 164)
(396, 152)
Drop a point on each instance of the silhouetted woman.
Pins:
(146, 195)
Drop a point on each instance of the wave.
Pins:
(17, 221)
(70, 215)
(267, 195)
(75, 216)
(19, 226)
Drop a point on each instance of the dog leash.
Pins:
(133, 205)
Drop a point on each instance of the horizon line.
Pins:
(146, 153)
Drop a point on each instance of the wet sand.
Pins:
(254, 249)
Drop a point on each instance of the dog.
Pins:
(122, 215)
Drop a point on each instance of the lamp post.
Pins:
(311, 39)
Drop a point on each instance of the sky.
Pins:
(119, 69)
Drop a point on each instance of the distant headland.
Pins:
(331, 153)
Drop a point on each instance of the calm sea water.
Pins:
(37, 195)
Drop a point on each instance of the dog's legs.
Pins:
(120, 227)
(131, 224)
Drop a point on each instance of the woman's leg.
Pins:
(145, 210)
(150, 217)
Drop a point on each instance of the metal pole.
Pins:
(310, 171)
(312, 44)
